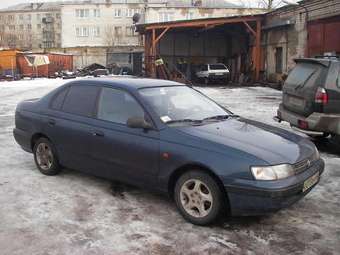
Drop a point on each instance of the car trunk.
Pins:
(301, 85)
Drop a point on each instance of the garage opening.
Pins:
(178, 50)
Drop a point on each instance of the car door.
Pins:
(69, 125)
(128, 154)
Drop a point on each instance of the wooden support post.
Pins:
(153, 58)
(250, 28)
(258, 50)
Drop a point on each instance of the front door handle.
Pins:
(97, 133)
(51, 122)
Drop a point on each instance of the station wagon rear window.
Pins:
(302, 73)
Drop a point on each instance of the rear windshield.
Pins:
(217, 67)
(304, 74)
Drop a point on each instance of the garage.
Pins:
(324, 36)
(174, 50)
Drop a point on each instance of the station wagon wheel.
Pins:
(198, 197)
(45, 157)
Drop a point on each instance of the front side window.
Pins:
(81, 100)
(181, 103)
(117, 106)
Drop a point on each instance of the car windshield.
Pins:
(182, 104)
(217, 67)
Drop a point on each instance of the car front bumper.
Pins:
(250, 197)
(319, 122)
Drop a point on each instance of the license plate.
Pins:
(219, 74)
(310, 182)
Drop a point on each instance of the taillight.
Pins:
(321, 96)
(302, 124)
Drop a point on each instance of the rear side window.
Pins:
(58, 100)
(303, 74)
(81, 100)
(338, 79)
(118, 106)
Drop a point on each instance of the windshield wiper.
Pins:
(195, 122)
(217, 117)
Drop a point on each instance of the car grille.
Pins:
(304, 164)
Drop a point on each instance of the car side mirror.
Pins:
(138, 122)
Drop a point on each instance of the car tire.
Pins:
(45, 157)
(206, 81)
(198, 197)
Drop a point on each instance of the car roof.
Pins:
(128, 83)
(322, 61)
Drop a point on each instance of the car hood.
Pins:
(270, 144)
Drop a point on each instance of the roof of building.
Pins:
(197, 22)
(46, 6)
(55, 5)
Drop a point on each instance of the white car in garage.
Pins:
(212, 72)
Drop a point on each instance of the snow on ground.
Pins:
(74, 213)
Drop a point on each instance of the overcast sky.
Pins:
(6, 3)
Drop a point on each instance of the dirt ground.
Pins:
(74, 213)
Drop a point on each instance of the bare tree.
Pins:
(266, 4)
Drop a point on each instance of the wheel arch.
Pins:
(35, 138)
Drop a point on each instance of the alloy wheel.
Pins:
(196, 198)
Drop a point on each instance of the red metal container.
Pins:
(58, 62)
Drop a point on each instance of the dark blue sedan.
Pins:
(171, 138)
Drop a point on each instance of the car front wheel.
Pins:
(198, 197)
(45, 157)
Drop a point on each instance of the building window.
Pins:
(21, 17)
(29, 16)
(11, 27)
(57, 15)
(131, 12)
(166, 16)
(21, 37)
(278, 60)
(38, 16)
(21, 27)
(38, 26)
(82, 31)
(118, 13)
(96, 31)
(82, 13)
(29, 26)
(96, 13)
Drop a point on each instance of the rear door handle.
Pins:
(97, 133)
(51, 122)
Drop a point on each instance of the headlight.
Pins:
(269, 173)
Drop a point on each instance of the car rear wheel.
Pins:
(45, 157)
(198, 197)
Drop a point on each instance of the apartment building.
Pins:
(31, 26)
